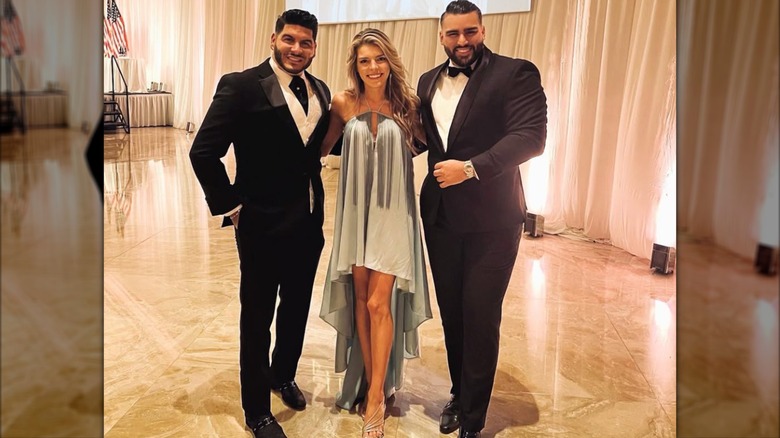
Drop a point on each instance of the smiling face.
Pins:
(372, 66)
(294, 48)
(463, 37)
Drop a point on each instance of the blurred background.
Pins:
(50, 216)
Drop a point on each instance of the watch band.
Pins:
(468, 168)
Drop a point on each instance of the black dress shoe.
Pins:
(449, 421)
(463, 434)
(291, 395)
(266, 427)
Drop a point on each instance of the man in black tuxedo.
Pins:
(275, 115)
(484, 114)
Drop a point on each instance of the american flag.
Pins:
(114, 36)
(12, 37)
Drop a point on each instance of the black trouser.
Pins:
(272, 265)
(471, 272)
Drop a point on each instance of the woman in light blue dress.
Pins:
(376, 292)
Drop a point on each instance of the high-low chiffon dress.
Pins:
(377, 226)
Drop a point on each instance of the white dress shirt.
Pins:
(305, 122)
(445, 101)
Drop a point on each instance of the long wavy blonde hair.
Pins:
(403, 100)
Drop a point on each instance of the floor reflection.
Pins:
(587, 344)
(728, 372)
(51, 286)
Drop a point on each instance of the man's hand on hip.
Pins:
(449, 173)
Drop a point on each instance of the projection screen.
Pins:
(344, 11)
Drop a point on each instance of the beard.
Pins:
(280, 61)
(460, 61)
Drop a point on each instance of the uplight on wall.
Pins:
(534, 225)
(664, 255)
(537, 175)
(663, 259)
(766, 260)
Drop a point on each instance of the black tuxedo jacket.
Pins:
(500, 122)
(274, 169)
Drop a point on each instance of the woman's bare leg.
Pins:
(380, 288)
(360, 277)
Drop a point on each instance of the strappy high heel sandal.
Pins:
(374, 426)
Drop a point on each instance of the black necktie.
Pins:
(298, 87)
(454, 71)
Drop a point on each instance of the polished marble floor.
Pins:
(727, 330)
(589, 335)
(52, 267)
(587, 348)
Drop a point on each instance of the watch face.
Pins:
(469, 169)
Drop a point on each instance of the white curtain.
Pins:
(728, 137)
(608, 69)
(189, 44)
(64, 45)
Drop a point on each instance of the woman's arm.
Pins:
(419, 142)
(336, 125)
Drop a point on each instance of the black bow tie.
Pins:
(454, 71)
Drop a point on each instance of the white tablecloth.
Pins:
(134, 71)
(43, 109)
(147, 109)
(28, 70)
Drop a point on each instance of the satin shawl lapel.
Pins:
(467, 99)
(428, 119)
(273, 91)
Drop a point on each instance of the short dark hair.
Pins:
(298, 17)
(459, 7)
